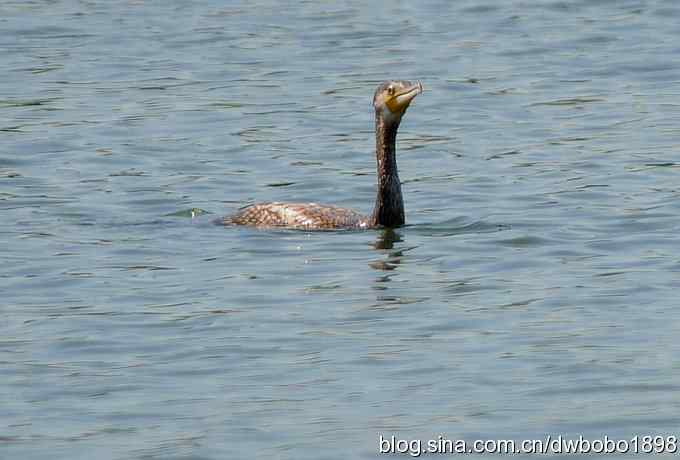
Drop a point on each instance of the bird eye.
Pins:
(390, 90)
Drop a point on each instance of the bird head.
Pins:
(392, 98)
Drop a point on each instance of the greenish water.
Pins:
(532, 292)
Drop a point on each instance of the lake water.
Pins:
(531, 293)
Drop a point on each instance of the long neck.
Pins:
(389, 205)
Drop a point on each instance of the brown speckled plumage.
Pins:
(390, 101)
(304, 216)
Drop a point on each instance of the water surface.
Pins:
(531, 293)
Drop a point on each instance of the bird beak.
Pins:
(399, 102)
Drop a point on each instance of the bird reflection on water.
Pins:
(385, 241)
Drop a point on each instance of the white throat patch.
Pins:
(388, 116)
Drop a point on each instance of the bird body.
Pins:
(390, 101)
(301, 216)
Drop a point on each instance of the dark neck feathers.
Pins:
(389, 205)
